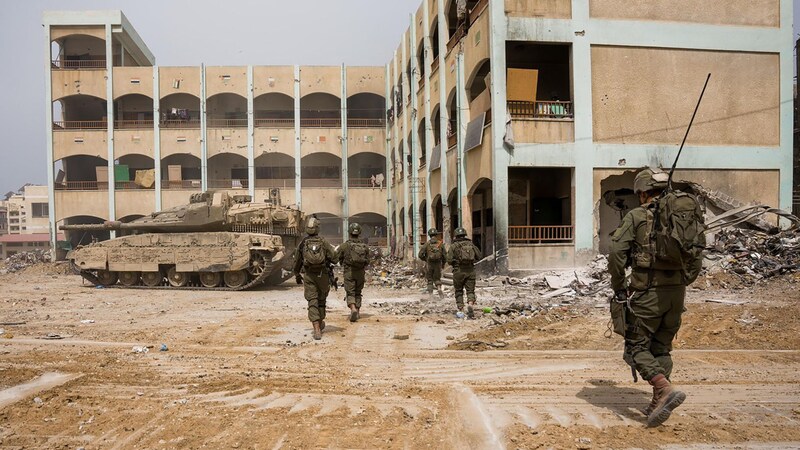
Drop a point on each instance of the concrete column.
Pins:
(461, 131)
(500, 156)
(787, 105)
(48, 118)
(298, 192)
(427, 112)
(413, 87)
(584, 148)
(203, 131)
(408, 219)
(443, 120)
(251, 158)
(389, 147)
(112, 205)
(345, 167)
(157, 135)
(398, 153)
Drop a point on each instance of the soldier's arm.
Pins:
(423, 254)
(298, 258)
(477, 252)
(338, 256)
(620, 249)
(449, 254)
(329, 252)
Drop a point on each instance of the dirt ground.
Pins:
(241, 371)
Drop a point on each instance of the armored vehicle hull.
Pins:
(210, 260)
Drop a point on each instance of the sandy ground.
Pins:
(242, 371)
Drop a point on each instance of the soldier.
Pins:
(313, 256)
(463, 255)
(433, 255)
(651, 303)
(353, 256)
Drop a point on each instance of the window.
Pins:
(41, 209)
(14, 228)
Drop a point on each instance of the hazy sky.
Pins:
(187, 33)
(184, 32)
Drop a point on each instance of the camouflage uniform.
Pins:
(316, 282)
(463, 272)
(353, 276)
(433, 269)
(656, 297)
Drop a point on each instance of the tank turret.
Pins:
(215, 240)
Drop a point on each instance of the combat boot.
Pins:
(667, 399)
(317, 330)
(653, 402)
(321, 325)
(353, 312)
(358, 312)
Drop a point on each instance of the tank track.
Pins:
(91, 278)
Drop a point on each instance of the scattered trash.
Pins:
(163, 348)
(400, 337)
(725, 302)
(140, 349)
(38, 401)
(460, 315)
(54, 336)
(87, 321)
(23, 260)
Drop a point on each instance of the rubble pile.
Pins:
(23, 260)
(391, 272)
(754, 255)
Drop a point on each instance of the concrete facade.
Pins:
(614, 88)
(315, 134)
(27, 211)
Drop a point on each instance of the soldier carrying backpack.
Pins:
(313, 257)
(662, 241)
(463, 255)
(433, 255)
(353, 256)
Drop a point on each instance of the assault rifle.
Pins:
(332, 277)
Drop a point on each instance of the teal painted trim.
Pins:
(388, 146)
(112, 208)
(298, 150)
(48, 118)
(413, 87)
(203, 131)
(345, 162)
(251, 158)
(427, 60)
(787, 43)
(444, 116)
(407, 219)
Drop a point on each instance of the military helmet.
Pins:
(461, 232)
(312, 226)
(354, 229)
(432, 232)
(649, 179)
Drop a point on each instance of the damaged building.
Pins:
(522, 121)
(526, 121)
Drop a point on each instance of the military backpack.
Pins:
(434, 253)
(314, 252)
(358, 255)
(464, 253)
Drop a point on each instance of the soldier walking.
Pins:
(313, 257)
(649, 306)
(353, 256)
(462, 256)
(433, 253)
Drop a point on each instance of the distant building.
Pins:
(3, 217)
(25, 221)
(11, 244)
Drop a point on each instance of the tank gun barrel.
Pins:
(108, 225)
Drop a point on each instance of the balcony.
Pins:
(81, 186)
(284, 183)
(548, 234)
(179, 185)
(228, 184)
(227, 123)
(77, 64)
(133, 124)
(366, 123)
(321, 123)
(274, 123)
(80, 125)
(541, 110)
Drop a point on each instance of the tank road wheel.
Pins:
(177, 279)
(210, 279)
(236, 278)
(129, 278)
(106, 277)
(258, 264)
(152, 279)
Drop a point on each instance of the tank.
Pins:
(217, 241)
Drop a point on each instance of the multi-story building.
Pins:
(3, 217)
(26, 224)
(126, 137)
(588, 91)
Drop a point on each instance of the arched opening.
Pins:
(227, 171)
(275, 170)
(478, 91)
(398, 96)
(373, 228)
(400, 164)
(82, 237)
(438, 218)
(330, 227)
(133, 111)
(320, 110)
(421, 60)
(409, 160)
(452, 123)
(134, 172)
(402, 219)
(435, 45)
(180, 111)
(423, 221)
(422, 139)
(227, 111)
(459, 21)
(82, 173)
(452, 201)
(84, 112)
(180, 171)
(366, 170)
(482, 214)
(436, 124)
(273, 110)
(321, 170)
(78, 51)
(366, 110)
(540, 206)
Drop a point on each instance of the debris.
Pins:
(87, 321)
(38, 401)
(163, 348)
(23, 260)
(400, 337)
(559, 292)
(9, 324)
(139, 349)
(725, 302)
(54, 336)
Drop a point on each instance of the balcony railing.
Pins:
(227, 123)
(540, 234)
(129, 186)
(236, 183)
(286, 183)
(274, 123)
(191, 124)
(175, 185)
(551, 110)
(335, 183)
(366, 123)
(132, 124)
(321, 123)
(80, 125)
(452, 140)
(75, 64)
(81, 186)
(364, 183)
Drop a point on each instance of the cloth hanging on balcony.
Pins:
(508, 139)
